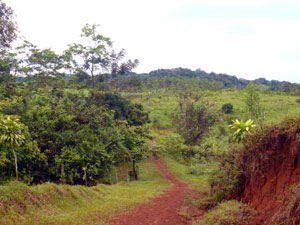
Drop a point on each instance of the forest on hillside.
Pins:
(225, 80)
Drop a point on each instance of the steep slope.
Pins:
(271, 164)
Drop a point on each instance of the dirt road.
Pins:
(161, 210)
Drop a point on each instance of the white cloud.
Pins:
(249, 47)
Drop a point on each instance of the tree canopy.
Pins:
(8, 26)
(97, 57)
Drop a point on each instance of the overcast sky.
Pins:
(246, 38)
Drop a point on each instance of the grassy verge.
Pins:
(275, 105)
(198, 188)
(198, 182)
(229, 212)
(63, 204)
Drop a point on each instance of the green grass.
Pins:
(199, 182)
(160, 107)
(228, 213)
(162, 104)
(275, 105)
(64, 204)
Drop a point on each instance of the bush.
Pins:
(229, 213)
(227, 108)
(202, 167)
(240, 129)
(275, 138)
(225, 179)
(194, 120)
(156, 123)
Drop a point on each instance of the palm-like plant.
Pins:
(11, 135)
(240, 129)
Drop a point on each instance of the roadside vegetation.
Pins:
(50, 203)
(230, 212)
(211, 164)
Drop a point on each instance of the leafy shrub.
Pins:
(156, 123)
(202, 167)
(240, 129)
(229, 213)
(227, 108)
(220, 196)
(175, 147)
(225, 178)
(206, 203)
(254, 157)
(195, 119)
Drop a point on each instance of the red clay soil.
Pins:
(266, 191)
(162, 210)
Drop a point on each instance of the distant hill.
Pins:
(227, 80)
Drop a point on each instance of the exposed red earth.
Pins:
(269, 190)
(162, 210)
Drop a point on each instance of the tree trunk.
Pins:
(116, 175)
(93, 77)
(16, 162)
(62, 174)
(85, 177)
(127, 176)
(134, 170)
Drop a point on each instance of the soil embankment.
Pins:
(271, 161)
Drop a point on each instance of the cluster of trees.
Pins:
(94, 61)
(180, 79)
(68, 135)
(132, 83)
(63, 128)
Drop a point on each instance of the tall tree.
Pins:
(8, 27)
(252, 101)
(11, 135)
(92, 58)
(97, 57)
(32, 61)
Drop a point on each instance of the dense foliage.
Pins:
(86, 132)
